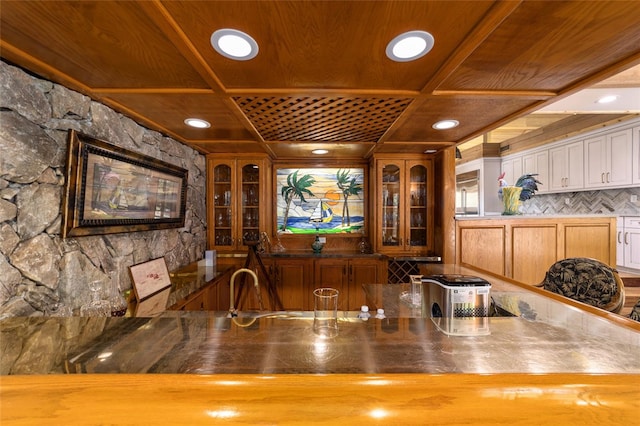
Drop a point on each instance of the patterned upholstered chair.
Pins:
(588, 281)
(635, 311)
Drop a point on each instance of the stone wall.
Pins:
(39, 269)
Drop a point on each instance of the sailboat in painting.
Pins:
(322, 213)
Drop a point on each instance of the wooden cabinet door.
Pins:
(332, 273)
(590, 240)
(196, 303)
(221, 203)
(293, 283)
(533, 252)
(362, 271)
(404, 210)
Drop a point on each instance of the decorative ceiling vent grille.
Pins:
(322, 119)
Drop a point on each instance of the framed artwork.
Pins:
(325, 200)
(149, 278)
(111, 189)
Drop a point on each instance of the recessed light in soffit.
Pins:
(445, 124)
(409, 46)
(234, 44)
(607, 99)
(197, 123)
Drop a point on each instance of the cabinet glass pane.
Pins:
(250, 203)
(222, 204)
(391, 205)
(418, 206)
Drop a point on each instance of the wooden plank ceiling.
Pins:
(321, 78)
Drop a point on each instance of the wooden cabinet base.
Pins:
(523, 248)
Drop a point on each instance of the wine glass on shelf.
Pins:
(97, 307)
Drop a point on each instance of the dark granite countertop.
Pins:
(210, 343)
(545, 336)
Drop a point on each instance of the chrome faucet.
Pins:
(233, 312)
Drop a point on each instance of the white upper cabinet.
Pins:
(609, 160)
(538, 163)
(566, 167)
(512, 168)
(601, 159)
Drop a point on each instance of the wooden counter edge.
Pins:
(320, 399)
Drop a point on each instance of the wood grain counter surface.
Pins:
(390, 399)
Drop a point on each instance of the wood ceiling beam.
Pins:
(496, 15)
(170, 28)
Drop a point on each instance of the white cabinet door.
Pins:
(596, 161)
(620, 158)
(636, 155)
(609, 160)
(538, 163)
(620, 241)
(575, 165)
(631, 241)
(512, 168)
(566, 167)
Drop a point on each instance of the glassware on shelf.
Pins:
(97, 307)
(278, 247)
(116, 300)
(58, 310)
(363, 246)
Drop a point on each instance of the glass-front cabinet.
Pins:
(403, 213)
(237, 203)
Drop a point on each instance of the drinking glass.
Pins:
(97, 307)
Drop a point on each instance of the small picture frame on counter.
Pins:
(149, 278)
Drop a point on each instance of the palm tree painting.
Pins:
(295, 188)
(349, 186)
(309, 200)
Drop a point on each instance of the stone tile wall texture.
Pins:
(39, 269)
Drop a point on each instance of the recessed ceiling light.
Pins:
(445, 124)
(409, 46)
(430, 151)
(319, 151)
(197, 123)
(607, 99)
(234, 44)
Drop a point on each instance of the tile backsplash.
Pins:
(610, 201)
